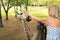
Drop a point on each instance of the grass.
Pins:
(38, 11)
(35, 11)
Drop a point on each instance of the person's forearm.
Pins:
(34, 18)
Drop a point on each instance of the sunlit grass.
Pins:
(38, 11)
(35, 11)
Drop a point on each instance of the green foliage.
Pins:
(55, 1)
(44, 2)
(30, 2)
(23, 1)
(15, 2)
(18, 2)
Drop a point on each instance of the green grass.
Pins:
(38, 11)
(35, 11)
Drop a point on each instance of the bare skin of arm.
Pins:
(54, 22)
(35, 18)
(50, 21)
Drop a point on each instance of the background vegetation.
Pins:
(37, 8)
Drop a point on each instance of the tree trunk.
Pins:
(20, 4)
(8, 7)
(6, 15)
(1, 24)
(26, 4)
(15, 11)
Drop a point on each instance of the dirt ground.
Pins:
(13, 29)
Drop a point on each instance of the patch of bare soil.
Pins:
(13, 29)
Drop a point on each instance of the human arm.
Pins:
(33, 17)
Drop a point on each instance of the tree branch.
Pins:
(3, 5)
(8, 5)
